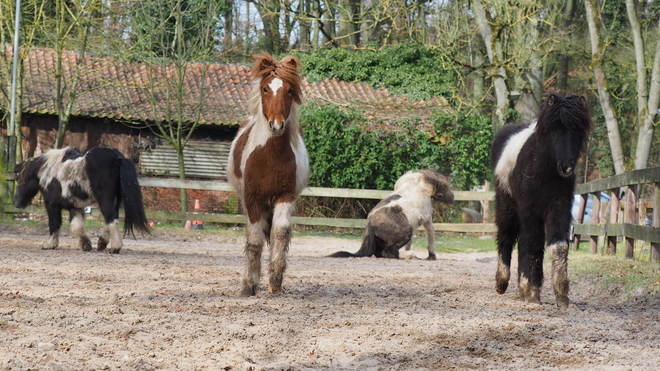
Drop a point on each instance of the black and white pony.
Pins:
(534, 168)
(71, 180)
(392, 222)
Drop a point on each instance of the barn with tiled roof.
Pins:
(117, 99)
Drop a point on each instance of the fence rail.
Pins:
(627, 216)
(624, 220)
(211, 185)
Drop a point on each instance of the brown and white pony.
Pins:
(268, 166)
(392, 223)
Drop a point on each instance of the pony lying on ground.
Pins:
(268, 166)
(391, 224)
(534, 168)
(72, 181)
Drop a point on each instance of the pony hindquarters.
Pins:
(114, 182)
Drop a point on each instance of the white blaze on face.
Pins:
(509, 157)
(275, 86)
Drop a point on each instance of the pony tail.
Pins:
(131, 196)
(368, 247)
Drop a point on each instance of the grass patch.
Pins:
(616, 274)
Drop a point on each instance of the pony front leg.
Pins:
(430, 236)
(280, 239)
(531, 246)
(558, 231)
(253, 248)
(54, 224)
(77, 217)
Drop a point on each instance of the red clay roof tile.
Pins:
(123, 91)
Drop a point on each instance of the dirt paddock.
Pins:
(171, 302)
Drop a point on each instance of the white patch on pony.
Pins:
(68, 173)
(509, 156)
(282, 215)
(275, 85)
(415, 198)
(302, 163)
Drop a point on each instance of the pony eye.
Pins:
(290, 90)
(265, 90)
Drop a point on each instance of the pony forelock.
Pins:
(266, 66)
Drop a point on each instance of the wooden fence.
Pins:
(627, 216)
(624, 220)
(310, 192)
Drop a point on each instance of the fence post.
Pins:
(633, 191)
(614, 218)
(580, 218)
(655, 247)
(595, 219)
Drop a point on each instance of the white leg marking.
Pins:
(509, 156)
(430, 236)
(115, 237)
(53, 241)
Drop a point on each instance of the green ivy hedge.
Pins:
(344, 155)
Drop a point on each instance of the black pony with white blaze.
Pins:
(534, 168)
(72, 181)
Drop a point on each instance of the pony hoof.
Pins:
(275, 290)
(501, 287)
(86, 245)
(49, 247)
(431, 257)
(248, 291)
(102, 244)
(562, 302)
(114, 251)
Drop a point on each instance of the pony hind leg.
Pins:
(280, 240)
(77, 217)
(430, 236)
(109, 210)
(253, 247)
(104, 239)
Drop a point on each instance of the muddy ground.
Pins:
(171, 302)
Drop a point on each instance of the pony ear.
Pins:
(551, 100)
(583, 100)
(291, 61)
(262, 64)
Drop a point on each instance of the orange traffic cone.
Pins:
(196, 224)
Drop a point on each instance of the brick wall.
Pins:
(169, 199)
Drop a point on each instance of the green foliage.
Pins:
(466, 141)
(342, 155)
(419, 71)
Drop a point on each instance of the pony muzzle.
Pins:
(565, 170)
(277, 126)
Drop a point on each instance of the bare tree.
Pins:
(171, 42)
(647, 104)
(597, 53)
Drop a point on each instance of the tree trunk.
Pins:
(348, 34)
(182, 176)
(269, 13)
(597, 51)
(305, 24)
(494, 50)
(562, 74)
(646, 127)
